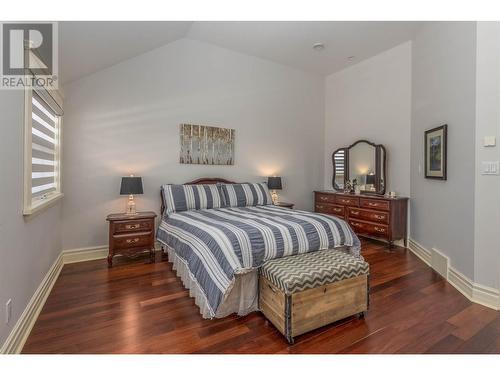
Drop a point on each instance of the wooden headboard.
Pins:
(199, 181)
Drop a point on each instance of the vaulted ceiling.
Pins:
(87, 47)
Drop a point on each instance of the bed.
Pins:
(217, 251)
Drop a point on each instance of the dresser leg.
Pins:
(391, 244)
(110, 261)
(152, 255)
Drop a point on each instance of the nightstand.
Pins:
(285, 204)
(130, 235)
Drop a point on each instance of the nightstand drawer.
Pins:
(126, 241)
(133, 226)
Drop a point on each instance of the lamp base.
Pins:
(275, 197)
(131, 206)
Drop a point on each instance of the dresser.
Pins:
(131, 235)
(368, 215)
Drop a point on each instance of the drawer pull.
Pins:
(356, 224)
(336, 209)
(319, 206)
(132, 226)
(135, 240)
(371, 204)
(355, 212)
(344, 200)
(381, 230)
(323, 198)
(380, 217)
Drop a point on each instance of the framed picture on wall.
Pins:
(435, 152)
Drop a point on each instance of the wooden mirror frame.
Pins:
(378, 163)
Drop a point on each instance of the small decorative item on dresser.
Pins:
(274, 183)
(131, 235)
(285, 204)
(130, 186)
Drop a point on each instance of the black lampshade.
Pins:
(131, 185)
(370, 179)
(274, 183)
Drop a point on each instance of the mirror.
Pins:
(362, 161)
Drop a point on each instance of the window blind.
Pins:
(44, 163)
(339, 163)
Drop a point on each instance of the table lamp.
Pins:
(274, 183)
(131, 185)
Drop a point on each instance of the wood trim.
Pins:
(209, 180)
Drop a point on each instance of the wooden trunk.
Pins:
(305, 311)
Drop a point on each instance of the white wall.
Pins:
(371, 100)
(443, 92)
(487, 188)
(27, 247)
(125, 119)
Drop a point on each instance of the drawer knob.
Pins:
(381, 230)
(372, 204)
(355, 212)
(130, 240)
(337, 209)
(323, 198)
(319, 206)
(132, 226)
(356, 224)
(380, 217)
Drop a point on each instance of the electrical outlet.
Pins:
(8, 311)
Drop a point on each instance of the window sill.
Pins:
(42, 205)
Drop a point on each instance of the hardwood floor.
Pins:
(137, 307)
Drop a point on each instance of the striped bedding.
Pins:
(217, 244)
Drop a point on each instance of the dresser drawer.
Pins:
(133, 226)
(127, 241)
(325, 198)
(368, 215)
(347, 201)
(376, 204)
(330, 209)
(369, 228)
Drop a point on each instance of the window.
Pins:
(42, 150)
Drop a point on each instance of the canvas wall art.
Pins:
(206, 145)
(435, 152)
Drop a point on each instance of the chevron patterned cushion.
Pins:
(306, 271)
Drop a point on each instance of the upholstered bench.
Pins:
(303, 292)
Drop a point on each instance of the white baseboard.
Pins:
(84, 254)
(475, 292)
(19, 334)
(420, 251)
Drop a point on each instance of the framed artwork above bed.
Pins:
(207, 145)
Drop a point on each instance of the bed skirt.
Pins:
(242, 299)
